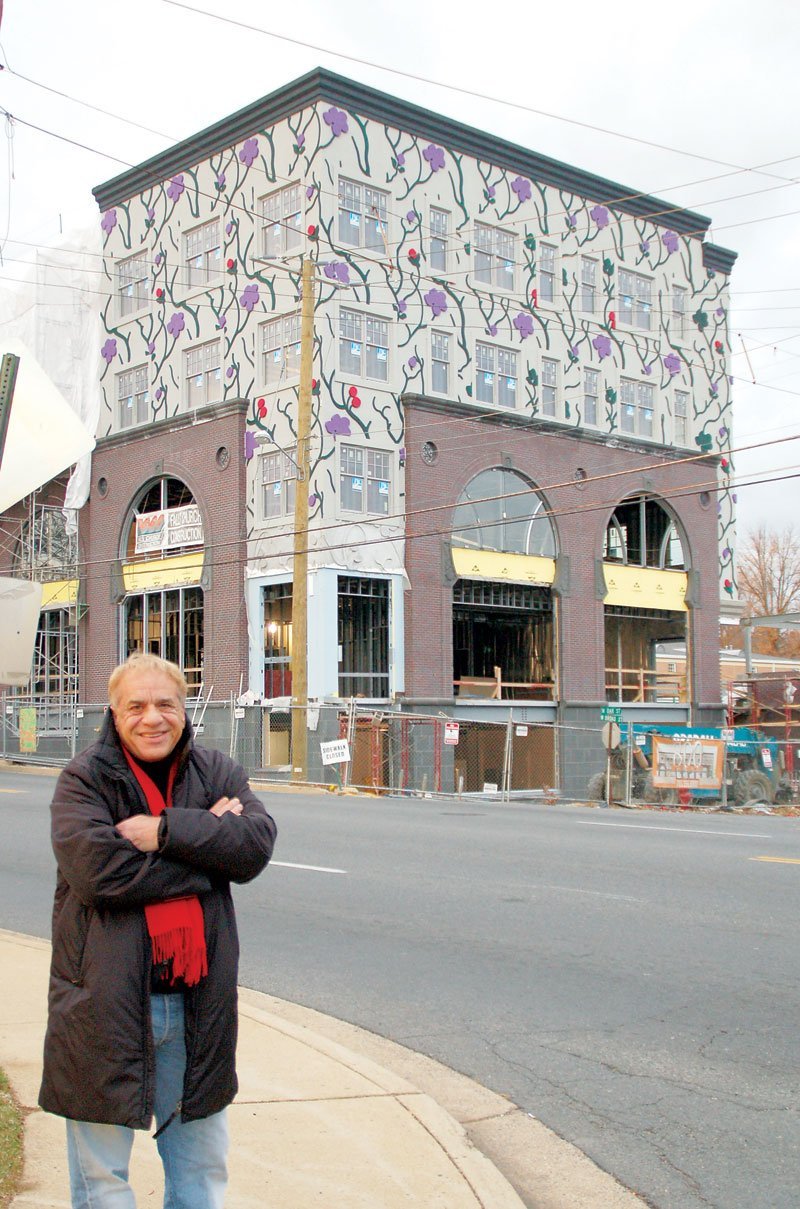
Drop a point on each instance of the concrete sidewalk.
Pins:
(325, 1116)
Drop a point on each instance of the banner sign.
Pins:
(168, 529)
(687, 763)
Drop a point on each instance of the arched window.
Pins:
(641, 533)
(163, 610)
(500, 510)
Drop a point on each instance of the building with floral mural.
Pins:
(520, 433)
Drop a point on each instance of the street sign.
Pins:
(610, 713)
(335, 752)
(451, 734)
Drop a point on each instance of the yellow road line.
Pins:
(12, 790)
(777, 860)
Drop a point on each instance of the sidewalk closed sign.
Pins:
(687, 762)
(451, 733)
(335, 752)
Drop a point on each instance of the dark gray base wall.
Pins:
(581, 750)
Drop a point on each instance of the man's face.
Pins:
(148, 714)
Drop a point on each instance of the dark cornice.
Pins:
(148, 432)
(500, 418)
(718, 260)
(322, 85)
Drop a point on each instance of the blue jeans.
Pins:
(193, 1155)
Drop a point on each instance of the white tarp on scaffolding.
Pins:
(44, 437)
(55, 314)
(20, 601)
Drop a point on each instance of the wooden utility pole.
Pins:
(300, 565)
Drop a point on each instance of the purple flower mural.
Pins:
(574, 352)
(175, 187)
(337, 270)
(524, 325)
(249, 152)
(437, 301)
(644, 247)
(434, 156)
(400, 159)
(490, 192)
(522, 188)
(109, 350)
(159, 394)
(413, 362)
(338, 426)
(672, 363)
(222, 322)
(230, 371)
(336, 119)
(602, 346)
(492, 329)
(151, 347)
(670, 241)
(109, 221)
(249, 296)
(220, 181)
(572, 220)
(301, 139)
(250, 445)
(228, 227)
(599, 215)
(150, 213)
(176, 324)
(412, 218)
(309, 191)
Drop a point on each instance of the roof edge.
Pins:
(323, 85)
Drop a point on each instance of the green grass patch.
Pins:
(10, 1143)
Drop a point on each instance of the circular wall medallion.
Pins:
(580, 476)
(704, 499)
(223, 457)
(430, 453)
(102, 486)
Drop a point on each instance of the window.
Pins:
(641, 533)
(281, 222)
(637, 407)
(500, 510)
(681, 432)
(203, 374)
(202, 253)
(496, 370)
(588, 284)
(280, 349)
(278, 474)
(494, 256)
(365, 478)
(362, 215)
(132, 285)
(277, 640)
(634, 299)
(169, 624)
(440, 226)
(363, 637)
(591, 395)
(547, 272)
(133, 397)
(440, 362)
(549, 386)
(363, 345)
(678, 311)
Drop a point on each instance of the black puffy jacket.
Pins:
(98, 1058)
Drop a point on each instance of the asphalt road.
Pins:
(631, 979)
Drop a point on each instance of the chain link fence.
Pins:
(724, 768)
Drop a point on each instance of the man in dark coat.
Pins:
(149, 831)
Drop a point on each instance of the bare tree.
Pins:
(769, 583)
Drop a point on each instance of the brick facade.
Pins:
(187, 451)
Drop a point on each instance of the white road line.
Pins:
(310, 868)
(750, 835)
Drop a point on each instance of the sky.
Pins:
(695, 103)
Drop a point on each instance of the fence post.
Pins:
(629, 766)
(507, 758)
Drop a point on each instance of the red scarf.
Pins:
(176, 926)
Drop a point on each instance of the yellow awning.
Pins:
(645, 587)
(495, 565)
(60, 593)
(163, 572)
